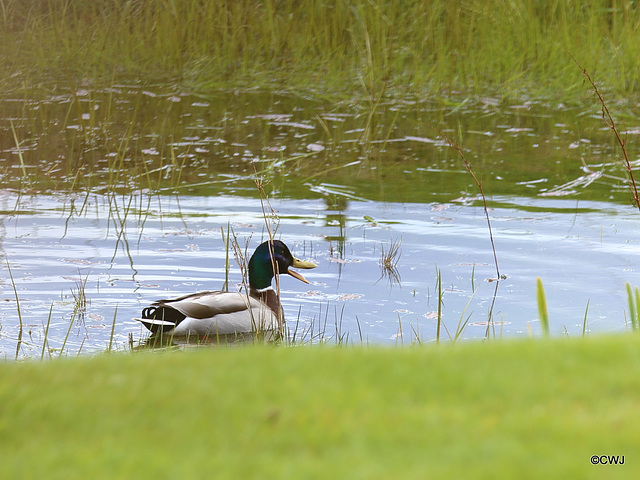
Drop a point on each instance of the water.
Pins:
(165, 246)
(98, 221)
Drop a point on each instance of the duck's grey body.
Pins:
(222, 313)
(211, 313)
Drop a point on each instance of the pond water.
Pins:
(114, 198)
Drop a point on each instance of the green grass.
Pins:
(633, 297)
(542, 307)
(350, 48)
(512, 409)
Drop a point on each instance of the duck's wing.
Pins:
(209, 313)
(207, 304)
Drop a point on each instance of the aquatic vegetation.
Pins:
(585, 319)
(542, 307)
(609, 122)
(439, 304)
(18, 309)
(351, 47)
(478, 183)
(633, 298)
(389, 257)
(223, 146)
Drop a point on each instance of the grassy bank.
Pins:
(499, 410)
(349, 47)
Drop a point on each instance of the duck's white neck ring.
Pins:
(260, 290)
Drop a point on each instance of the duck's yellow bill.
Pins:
(300, 264)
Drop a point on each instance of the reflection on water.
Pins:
(168, 341)
(126, 193)
(125, 138)
(83, 268)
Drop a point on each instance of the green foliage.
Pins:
(633, 297)
(542, 307)
(350, 46)
(512, 409)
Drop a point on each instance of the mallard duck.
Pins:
(222, 313)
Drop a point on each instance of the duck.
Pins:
(213, 313)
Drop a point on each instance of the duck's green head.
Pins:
(270, 255)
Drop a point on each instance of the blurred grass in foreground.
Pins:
(509, 409)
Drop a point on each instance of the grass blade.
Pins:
(584, 322)
(542, 307)
(15, 292)
(46, 334)
(633, 312)
(637, 300)
(439, 285)
(113, 329)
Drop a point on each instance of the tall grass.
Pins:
(345, 47)
(610, 122)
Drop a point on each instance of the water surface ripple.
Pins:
(125, 251)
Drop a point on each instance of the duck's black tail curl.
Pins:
(161, 318)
